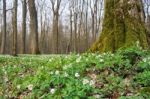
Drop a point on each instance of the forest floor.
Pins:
(122, 75)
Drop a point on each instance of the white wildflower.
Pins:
(42, 67)
(104, 53)
(101, 60)
(93, 54)
(138, 44)
(5, 72)
(22, 75)
(56, 72)
(144, 60)
(97, 96)
(66, 56)
(15, 66)
(30, 87)
(85, 81)
(18, 86)
(78, 59)
(126, 81)
(52, 90)
(50, 60)
(6, 79)
(87, 59)
(67, 66)
(98, 56)
(112, 55)
(87, 69)
(51, 72)
(78, 55)
(66, 75)
(94, 69)
(92, 82)
(77, 75)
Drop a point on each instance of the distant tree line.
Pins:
(52, 26)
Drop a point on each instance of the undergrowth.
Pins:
(122, 75)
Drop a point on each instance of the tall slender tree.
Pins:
(75, 10)
(33, 27)
(71, 29)
(56, 15)
(23, 36)
(3, 44)
(14, 23)
(86, 26)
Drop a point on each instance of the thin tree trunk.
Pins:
(3, 45)
(71, 33)
(95, 14)
(86, 28)
(75, 32)
(55, 35)
(148, 27)
(24, 15)
(14, 53)
(55, 41)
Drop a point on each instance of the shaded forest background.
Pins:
(52, 26)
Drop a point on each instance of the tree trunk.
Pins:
(56, 15)
(123, 26)
(33, 27)
(86, 27)
(24, 14)
(148, 27)
(71, 32)
(3, 44)
(56, 34)
(75, 32)
(14, 17)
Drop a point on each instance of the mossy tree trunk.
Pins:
(123, 26)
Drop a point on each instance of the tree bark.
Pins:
(148, 28)
(71, 32)
(33, 27)
(14, 23)
(55, 41)
(3, 44)
(86, 26)
(24, 15)
(123, 26)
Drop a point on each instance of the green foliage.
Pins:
(122, 75)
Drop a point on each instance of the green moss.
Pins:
(145, 91)
(120, 29)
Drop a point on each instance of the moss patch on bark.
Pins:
(121, 28)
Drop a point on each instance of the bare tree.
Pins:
(75, 13)
(3, 46)
(33, 27)
(56, 14)
(23, 36)
(86, 25)
(93, 8)
(70, 45)
(14, 23)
